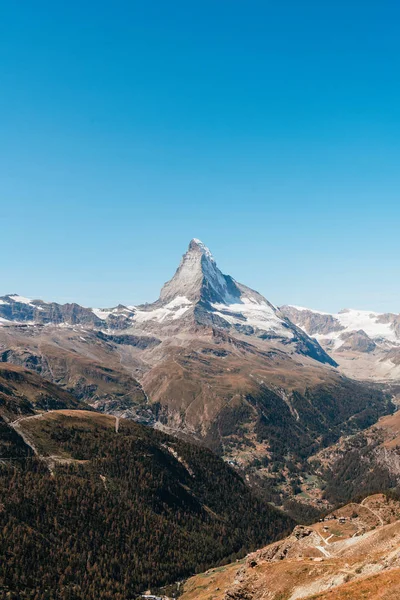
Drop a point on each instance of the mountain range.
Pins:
(215, 362)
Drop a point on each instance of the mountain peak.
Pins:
(199, 279)
(197, 245)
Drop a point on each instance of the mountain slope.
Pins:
(198, 294)
(84, 362)
(347, 556)
(366, 462)
(123, 508)
(23, 393)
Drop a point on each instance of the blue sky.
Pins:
(270, 130)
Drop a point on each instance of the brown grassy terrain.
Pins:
(22, 392)
(338, 558)
(385, 586)
(78, 361)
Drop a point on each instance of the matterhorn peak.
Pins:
(197, 245)
(199, 279)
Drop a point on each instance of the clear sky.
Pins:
(268, 129)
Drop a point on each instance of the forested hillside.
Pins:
(124, 508)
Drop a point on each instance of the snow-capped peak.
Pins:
(198, 278)
(196, 243)
(200, 282)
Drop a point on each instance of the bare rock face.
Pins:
(16, 308)
(311, 321)
(198, 278)
(301, 532)
(358, 341)
(380, 328)
(199, 294)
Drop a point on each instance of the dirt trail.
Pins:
(50, 460)
(377, 515)
(324, 551)
(16, 425)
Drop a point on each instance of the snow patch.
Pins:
(101, 313)
(21, 299)
(304, 309)
(259, 315)
(206, 251)
(351, 321)
(175, 309)
(354, 320)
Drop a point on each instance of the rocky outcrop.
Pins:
(358, 341)
(311, 321)
(15, 308)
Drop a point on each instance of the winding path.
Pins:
(377, 515)
(28, 441)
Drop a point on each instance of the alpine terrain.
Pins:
(366, 344)
(351, 554)
(211, 361)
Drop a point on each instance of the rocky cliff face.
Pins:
(382, 328)
(199, 294)
(17, 309)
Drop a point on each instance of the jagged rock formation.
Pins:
(198, 294)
